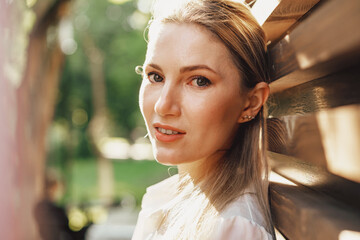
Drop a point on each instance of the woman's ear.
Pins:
(255, 100)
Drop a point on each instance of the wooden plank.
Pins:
(316, 178)
(338, 89)
(318, 46)
(278, 16)
(300, 213)
(340, 134)
(319, 123)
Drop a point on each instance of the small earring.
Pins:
(248, 117)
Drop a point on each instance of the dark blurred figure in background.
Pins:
(53, 223)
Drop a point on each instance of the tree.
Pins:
(31, 62)
(99, 79)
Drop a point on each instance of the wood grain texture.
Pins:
(318, 122)
(317, 178)
(284, 16)
(335, 90)
(340, 134)
(313, 132)
(318, 46)
(300, 213)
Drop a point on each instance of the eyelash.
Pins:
(207, 81)
(154, 74)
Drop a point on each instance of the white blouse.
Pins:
(241, 219)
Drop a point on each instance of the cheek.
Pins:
(218, 109)
(222, 117)
(225, 111)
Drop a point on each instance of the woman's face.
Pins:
(190, 96)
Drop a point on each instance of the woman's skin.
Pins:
(192, 86)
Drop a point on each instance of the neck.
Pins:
(200, 169)
(194, 170)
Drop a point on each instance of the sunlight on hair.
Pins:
(263, 8)
(349, 235)
(274, 177)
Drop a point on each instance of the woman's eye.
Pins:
(154, 77)
(200, 82)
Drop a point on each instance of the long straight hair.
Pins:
(244, 164)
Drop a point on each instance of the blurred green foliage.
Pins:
(117, 31)
(132, 178)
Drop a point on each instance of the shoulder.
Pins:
(153, 203)
(160, 193)
(243, 218)
(246, 206)
(238, 227)
(164, 184)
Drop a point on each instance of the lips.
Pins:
(166, 133)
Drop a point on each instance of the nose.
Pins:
(168, 103)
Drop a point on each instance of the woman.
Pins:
(202, 95)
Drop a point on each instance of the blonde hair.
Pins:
(244, 164)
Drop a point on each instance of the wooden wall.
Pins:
(314, 118)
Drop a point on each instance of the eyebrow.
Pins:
(155, 66)
(195, 67)
(186, 68)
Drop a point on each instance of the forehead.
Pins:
(164, 28)
(187, 43)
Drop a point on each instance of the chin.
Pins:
(168, 159)
(169, 164)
